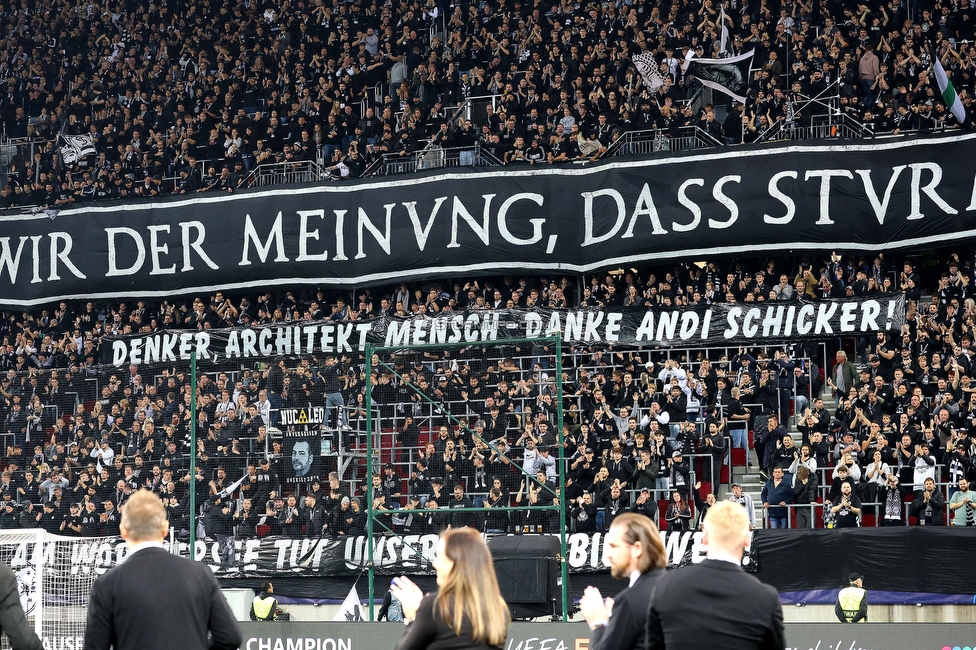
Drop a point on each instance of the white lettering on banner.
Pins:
(382, 238)
(305, 234)
(136, 239)
(63, 643)
(422, 232)
(196, 245)
(586, 552)
(296, 643)
(864, 196)
(645, 207)
(880, 206)
(825, 175)
(929, 190)
(635, 326)
(282, 545)
(537, 643)
(313, 415)
(588, 215)
(11, 265)
(694, 208)
(536, 222)
(275, 238)
(785, 199)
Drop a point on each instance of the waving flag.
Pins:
(351, 609)
(646, 65)
(948, 93)
(75, 147)
(729, 76)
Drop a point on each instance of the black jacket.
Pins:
(627, 627)
(184, 596)
(715, 604)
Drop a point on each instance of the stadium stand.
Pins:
(161, 98)
(82, 436)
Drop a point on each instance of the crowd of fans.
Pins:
(218, 88)
(641, 427)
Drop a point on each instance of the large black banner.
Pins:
(718, 324)
(392, 555)
(933, 558)
(856, 197)
(790, 560)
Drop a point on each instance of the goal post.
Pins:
(54, 577)
(375, 361)
(23, 551)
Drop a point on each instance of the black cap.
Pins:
(854, 577)
(438, 480)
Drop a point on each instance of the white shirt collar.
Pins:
(141, 545)
(722, 556)
(634, 576)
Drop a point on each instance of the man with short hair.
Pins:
(852, 601)
(264, 607)
(929, 505)
(962, 505)
(183, 597)
(635, 551)
(744, 499)
(846, 507)
(715, 604)
(776, 495)
(301, 458)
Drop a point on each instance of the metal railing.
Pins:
(640, 143)
(819, 127)
(305, 171)
(816, 514)
(433, 157)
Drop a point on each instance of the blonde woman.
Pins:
(468, 611)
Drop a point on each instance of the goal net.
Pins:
(54, 582)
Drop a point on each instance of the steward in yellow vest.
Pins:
(852, 602)
(264, 607)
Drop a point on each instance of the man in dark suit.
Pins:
(155, 600)
(716, 604)
(12, 620)
(635, 551)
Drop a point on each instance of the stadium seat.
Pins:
(739, 456)
(662, 508)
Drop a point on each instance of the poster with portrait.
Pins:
(302, 448)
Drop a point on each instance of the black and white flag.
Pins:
(729, 76)
(351, 609)
(646, 65)
(75, 147)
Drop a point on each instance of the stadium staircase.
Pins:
(748, 476)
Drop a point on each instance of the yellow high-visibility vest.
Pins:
(264, 608)
(850, 599)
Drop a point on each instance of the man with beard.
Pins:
(635, 551)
